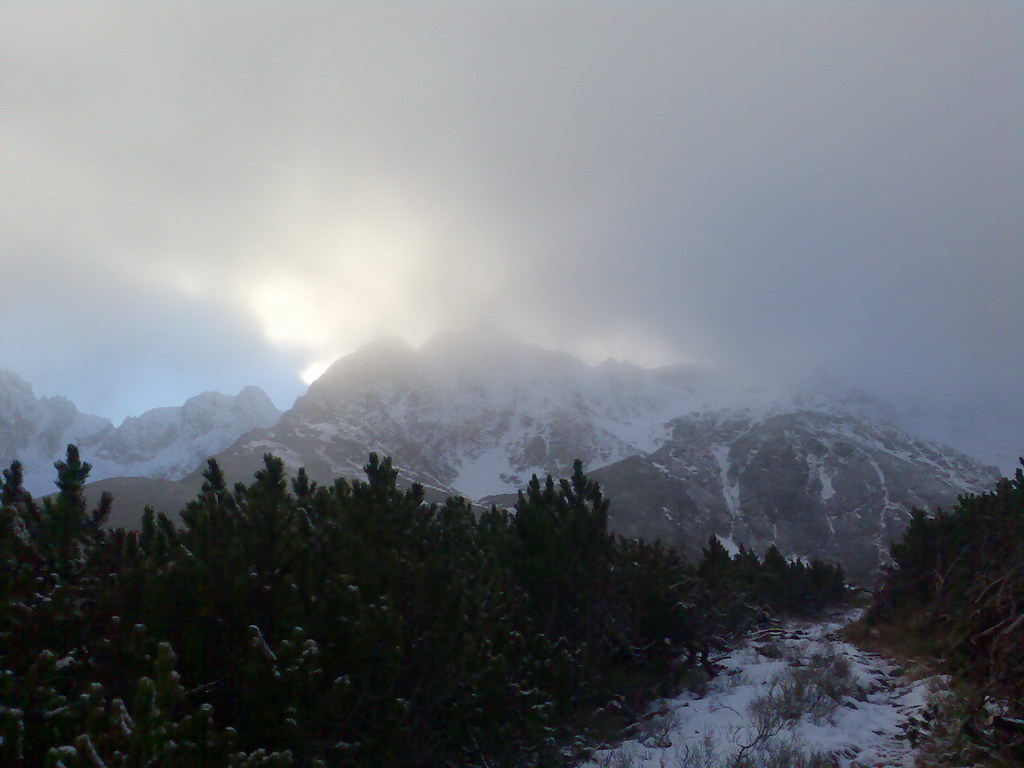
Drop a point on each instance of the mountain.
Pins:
(163, 443)
(168, 443)
(683, 453)
(472, 418)
(816, 484)
(37, 430)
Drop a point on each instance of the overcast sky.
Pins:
(203, 197)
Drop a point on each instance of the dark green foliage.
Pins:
(958, 579)
(347, 625)
(731, 592)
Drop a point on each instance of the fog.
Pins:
(204, 197)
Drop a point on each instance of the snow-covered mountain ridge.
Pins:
(481, 420)
(683, 453)
(168, 443)
(165, 443)
(37, 430)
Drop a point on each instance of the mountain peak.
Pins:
(380, 362)
(10, 382)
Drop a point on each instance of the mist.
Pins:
(207, 197)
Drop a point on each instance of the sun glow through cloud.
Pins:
(364, 265)
(389, 261)
(315, 371)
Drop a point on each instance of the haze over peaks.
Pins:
(204, 196)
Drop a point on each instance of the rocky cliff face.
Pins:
(816, 484)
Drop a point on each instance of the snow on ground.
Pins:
(758, 688)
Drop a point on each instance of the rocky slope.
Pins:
(479, 416)
(816, 484)
(462, 416)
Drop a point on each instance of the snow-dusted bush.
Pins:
(815, 689)
(777, 751)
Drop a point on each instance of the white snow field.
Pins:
(794, 696)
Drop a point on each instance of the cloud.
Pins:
(202, 195)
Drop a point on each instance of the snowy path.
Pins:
(785, 695)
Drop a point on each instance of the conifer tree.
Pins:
(350, 624)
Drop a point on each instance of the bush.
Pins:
(957, 587)
(286, 623)
(815, 691)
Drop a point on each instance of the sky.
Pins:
(205, 196)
